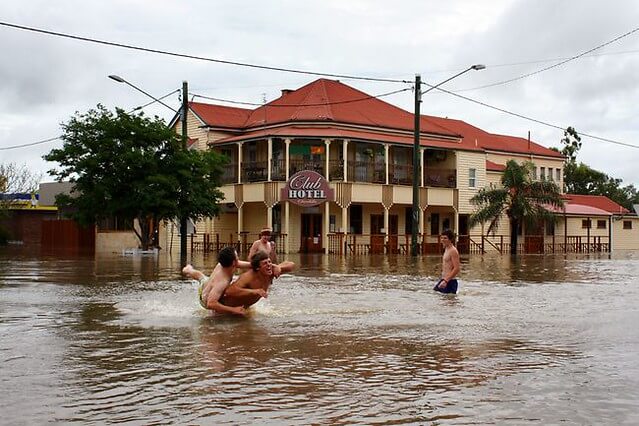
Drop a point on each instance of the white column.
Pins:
(240, 219)
(327, 143)
(456, 223)
(386, 158)
(239, 162)
(327, 224)
(269, 161)
(287, 141)
(345, 155)
(269, 217)
(421, 221)
(345, 220)
(386, 221)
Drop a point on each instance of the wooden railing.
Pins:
(242, 242)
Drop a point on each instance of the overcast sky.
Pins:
(46, 79)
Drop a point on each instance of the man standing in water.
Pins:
(248, 288)
(264, 243)
(450, 264)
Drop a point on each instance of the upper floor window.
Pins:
(627, 224)
(542, 173)
(558, 175)
(601, 224)
(534, 173)
(585, 223)
(472, 178)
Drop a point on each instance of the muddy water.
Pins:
(360, 340)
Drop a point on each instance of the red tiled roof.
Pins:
(220, 116)
(330, 101)
(599, 201)
(494, 167)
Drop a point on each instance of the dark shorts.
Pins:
(451, 287)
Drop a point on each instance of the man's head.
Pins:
(227, 256)
(261, 260)
(447, 236)
(265, 233)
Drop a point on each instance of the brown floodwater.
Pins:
(356, 340)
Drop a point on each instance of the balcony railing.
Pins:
(358, 171)
(442, 178)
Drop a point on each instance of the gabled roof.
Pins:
(220, 116)
(599, 201)
(334, 103)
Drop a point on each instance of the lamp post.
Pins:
(183, 112)
(416, 168)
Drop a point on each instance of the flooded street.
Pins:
(356, 340)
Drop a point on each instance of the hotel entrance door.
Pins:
(311, 233)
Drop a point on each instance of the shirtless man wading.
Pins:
(450, 264)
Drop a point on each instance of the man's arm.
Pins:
(284, 267)
(240, 287)
(243, 264)
(213, 301)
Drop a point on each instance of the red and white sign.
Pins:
(307, 188)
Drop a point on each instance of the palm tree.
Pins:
(520, 198)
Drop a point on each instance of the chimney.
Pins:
(528, 140)
(286, 91)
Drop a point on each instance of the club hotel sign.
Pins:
(307, 189)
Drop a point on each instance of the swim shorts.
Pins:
(203, 281)
(451, 286)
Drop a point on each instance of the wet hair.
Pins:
(257, 259)
(226, 256)
(449, 234)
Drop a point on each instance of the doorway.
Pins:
(311, 233)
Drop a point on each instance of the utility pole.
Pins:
(183, 218)
(416, 168)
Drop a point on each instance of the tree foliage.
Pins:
(520, 198)
(129, 166)
(582, 179)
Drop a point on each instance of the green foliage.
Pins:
(584, 180)
(133, 167)
(520, 198)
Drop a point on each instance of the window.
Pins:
(550, 227)
(542, 173)
(550, 178)
(585, 224)
(601, 224)
(434, 224)
(472, 177)
(627, 224)
(356, 219)
(558, 175)
(534, 171)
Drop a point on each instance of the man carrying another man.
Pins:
(217, 292)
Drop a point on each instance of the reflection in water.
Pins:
(358, 340)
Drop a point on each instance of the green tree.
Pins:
(130, 167)
(521, 199)
(14, 179)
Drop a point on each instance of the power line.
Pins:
(306, 105)
(200, 58)
(533, 119)
(572, 58)
(5, 148)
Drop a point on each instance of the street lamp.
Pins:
(416, 168)
(183, 111)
